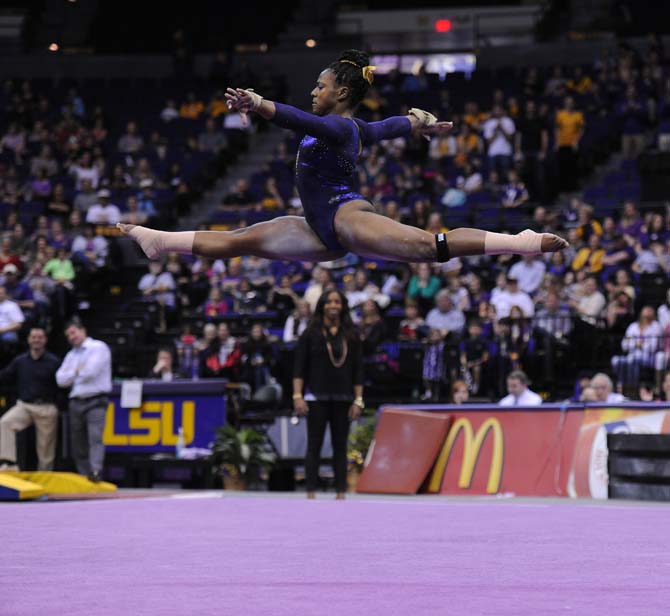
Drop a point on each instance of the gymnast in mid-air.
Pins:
(337, 219)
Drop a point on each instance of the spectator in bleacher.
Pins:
(519, 393)
(240, 196)
(586, 224)
(164, 368)
(86, 197)
(372, 327)
(529, 272)
(17, 290)
(18, 240)
(553, 325)
(248, 299)
(14, 140)
(632, 115)
(413, 326)
(445, 317)
(57, 236)
(459, 392)
(531, 147)
(631, 222)
(619, 256)
(603, 386)
(557, 265)
(217, 105)
(282, 298)
(271, 198)
(580, 83)
(32, 374)
(619, 313)
(512, 296)
(590, 257)
(569, 130)
(191, 108)
(256, 358)
(320, 281)
(556, 84)
(7, 255)
(458, 293)
(211, 139)
(499, 132)
(99, 131)
(11, 319)
(44, 161)
(514, 192)
(222, 358)
(656, 230)
(143, 174)
(131, 142)
(159, 286)
(121, 180)
(61, 271)
(132, 214)
(472, 179)
(434, 369)
(103, 212)
(297, 322)
(58, 205)
(89, 249)
(590, 302)
(474, 355)
(648, 260)
(84, 169)
(639, 345)
(215, 306)
(170, 111)
(423, 286)
(146, 200)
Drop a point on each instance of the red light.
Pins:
(442, 25)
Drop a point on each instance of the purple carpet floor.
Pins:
(282, 555)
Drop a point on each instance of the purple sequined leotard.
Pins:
(326, 164)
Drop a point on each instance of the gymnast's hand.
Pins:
(426, 124)
(243, 101)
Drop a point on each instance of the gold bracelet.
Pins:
(297, 396)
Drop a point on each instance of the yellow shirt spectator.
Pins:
(569, 127)
(589, 259)
(191, 109)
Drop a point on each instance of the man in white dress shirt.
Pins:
(519, 394)
(529, 272)
(87, 370)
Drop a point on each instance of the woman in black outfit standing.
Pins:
(328, 364)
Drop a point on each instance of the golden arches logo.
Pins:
(472, 444)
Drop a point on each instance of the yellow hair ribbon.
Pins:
(367, 73)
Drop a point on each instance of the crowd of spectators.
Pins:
(519, 155)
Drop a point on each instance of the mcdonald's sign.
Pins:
(472, 445)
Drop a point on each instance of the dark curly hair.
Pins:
(348, 71)
(348, 327)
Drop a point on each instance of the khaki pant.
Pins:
(19, 417)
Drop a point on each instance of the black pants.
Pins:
(320, 414)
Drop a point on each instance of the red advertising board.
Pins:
(551, 450)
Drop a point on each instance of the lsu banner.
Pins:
(542, 451)
(154, 426)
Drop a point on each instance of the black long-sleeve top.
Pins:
(321, 377)
(35, 379)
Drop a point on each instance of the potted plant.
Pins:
(240, 457)
(360, 439)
